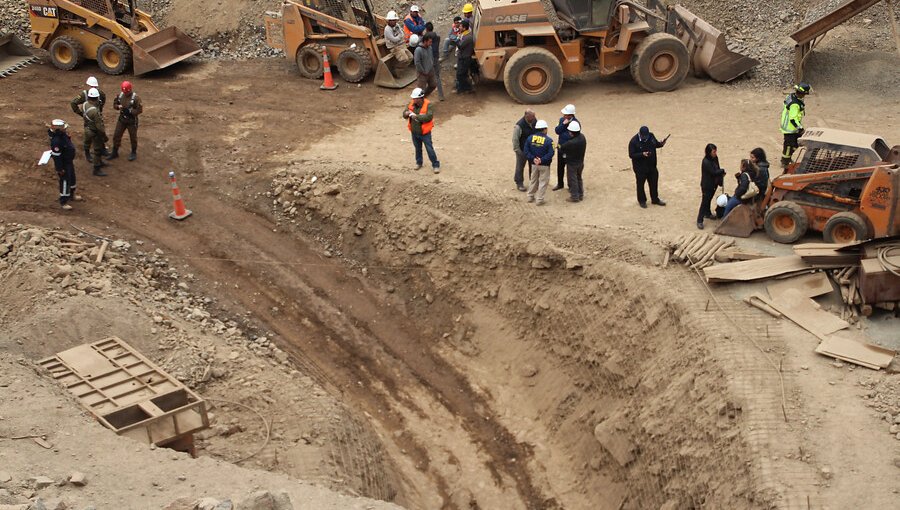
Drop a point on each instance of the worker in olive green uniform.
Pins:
(94, 130)
(129, 105)
(80, 100)
(792, 121)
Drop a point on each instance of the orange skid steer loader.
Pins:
(113, 32)
(348, 30)
(845, 185)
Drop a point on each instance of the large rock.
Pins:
(265, 500)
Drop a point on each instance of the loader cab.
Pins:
(586, 14)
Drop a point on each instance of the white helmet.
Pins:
(574, 126)
(568, 110)
(59, 123)
(92, 82)
(417, 93)
(392, 16)
(722, 200)
(93, 93)
(414, 8)
(414, 40)
(541, 124)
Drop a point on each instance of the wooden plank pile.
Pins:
(698, 250)
(815, 270)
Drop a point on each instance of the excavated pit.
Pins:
(551, 373)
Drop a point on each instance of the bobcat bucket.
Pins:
(709, 50)
(738, 223)
(389, 75)
(162, 49)
(13, 55)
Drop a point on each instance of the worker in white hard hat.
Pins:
(395, 40)
(419, 117)
(94, 131)
(78, 102)
(413, 44)
(414, 23)
(539, 150)
(62, 150)
(574, 149)
(562, 131)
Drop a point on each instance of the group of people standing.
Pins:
(417, 41)
(89, 105)
(535, 149)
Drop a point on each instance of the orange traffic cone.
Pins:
(181, 212)
(329, 81)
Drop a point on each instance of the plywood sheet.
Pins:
(810, 285)
(856, 352)
(805, 313)
(755, 269)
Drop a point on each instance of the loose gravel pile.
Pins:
(758, 28)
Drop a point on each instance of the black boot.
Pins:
(87, 155)
(98, 172)
(132, 156)
(115, 153)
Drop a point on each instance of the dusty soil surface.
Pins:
(435, 341)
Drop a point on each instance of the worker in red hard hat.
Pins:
(129, 105)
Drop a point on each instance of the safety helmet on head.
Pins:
(126, 87)
(468, 8)
(93, 93)
(413, 8)
(541, 124)
(803, 88)
(414, 40)
(392, 16)
(574, 126)
(569, 109)
(417, 93)
(59, 123)
(722, 200)
(92, 82)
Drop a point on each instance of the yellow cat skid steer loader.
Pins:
(348, 30)
(112, 32)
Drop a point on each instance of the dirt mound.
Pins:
(56, 295)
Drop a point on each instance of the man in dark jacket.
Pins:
(466, 47)
(642, 151)
(522, 131)
(574, 149)
(539, 150)
(62, 150)
(562, 131)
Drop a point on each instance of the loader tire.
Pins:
(845, 227)
(66, 53)
(310, 61)
(114, 56)
(354, 64)
(786, 222)
(533, 76)
(660, 63)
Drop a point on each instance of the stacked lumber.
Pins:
(698, 250)
(828, 255)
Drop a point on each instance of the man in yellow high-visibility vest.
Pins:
(792, 121)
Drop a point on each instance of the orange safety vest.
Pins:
(426, 126)
(406, 31)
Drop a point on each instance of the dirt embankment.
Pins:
(598, 389)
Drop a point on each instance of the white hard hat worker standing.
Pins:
(419, 115)
(62, 150)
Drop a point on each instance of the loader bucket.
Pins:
(390, 76)
(738, 223)
(710, 54)
(13, 55)
(162, 49)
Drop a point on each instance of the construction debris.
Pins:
(856, 352)
(699, 250)
(758, 269)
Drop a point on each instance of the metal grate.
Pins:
(827, 160)
(101, 7)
